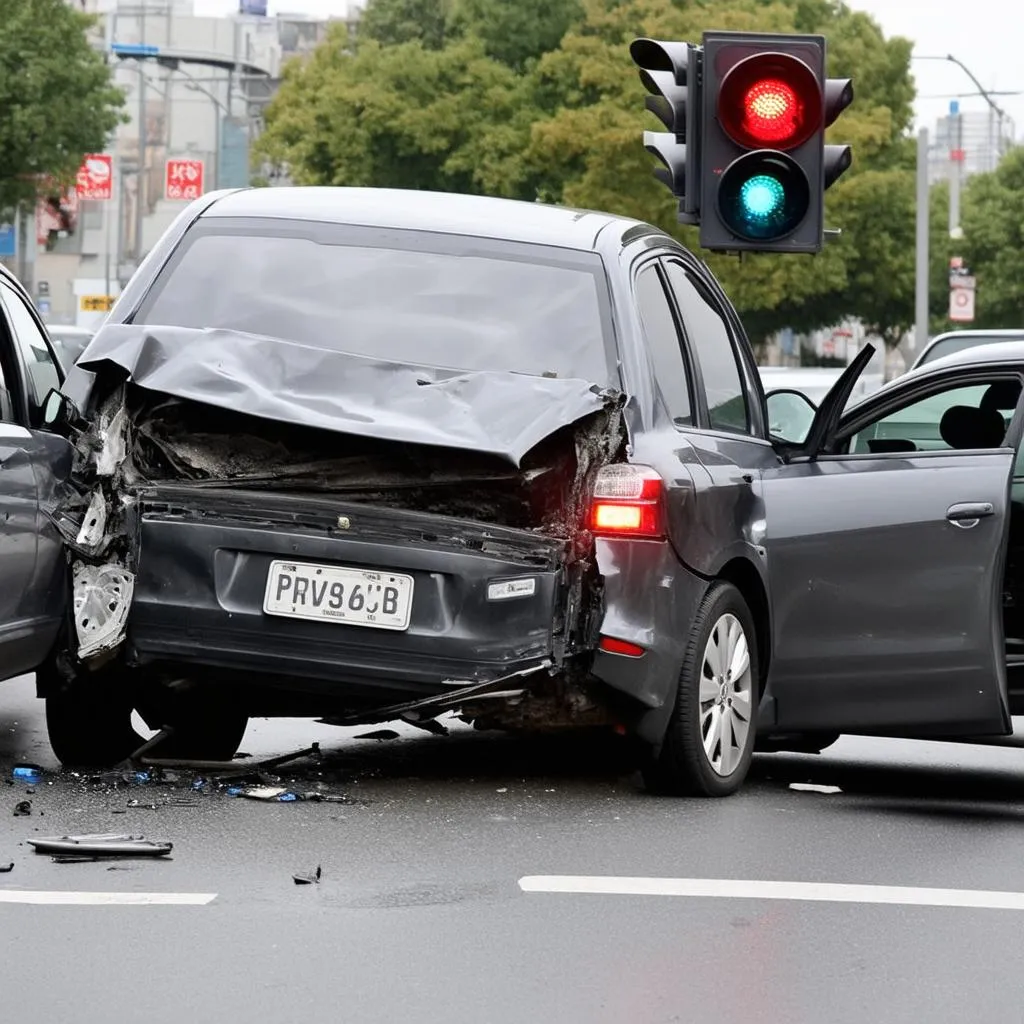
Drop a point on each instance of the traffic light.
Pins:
(670, 72)
(764, 163)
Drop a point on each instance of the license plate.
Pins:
(329, 593)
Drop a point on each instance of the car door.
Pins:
(32, 465)
(885, 548)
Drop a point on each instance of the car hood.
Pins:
(494, 412)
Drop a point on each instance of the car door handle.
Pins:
(966, 514)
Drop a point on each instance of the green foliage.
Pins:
(992, 216)
(57, 99)
(513, 32)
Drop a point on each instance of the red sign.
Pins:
(184, 179)
(96, 177)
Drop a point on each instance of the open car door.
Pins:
(886, 574)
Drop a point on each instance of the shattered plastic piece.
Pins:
(102, 597)
(112, 436)
(142, 806)
(6, 868)
(142, 777)
(94, 524)
(235, 791)
(263, 792)
(23, 809)
(101, 845)
(313, 878)
(288, 798)
(30, 773)
(810, 787)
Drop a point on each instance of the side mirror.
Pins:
(790, 415)
(59, 413)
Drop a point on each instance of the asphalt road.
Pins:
(420, 915)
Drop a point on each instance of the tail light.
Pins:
(628, 502)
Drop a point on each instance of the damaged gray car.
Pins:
(369, 455)
(373, 455)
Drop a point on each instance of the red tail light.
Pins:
(770, 99)
(628, 503)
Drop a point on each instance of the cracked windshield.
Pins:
(508, 506)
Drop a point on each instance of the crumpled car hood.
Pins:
(499, 413)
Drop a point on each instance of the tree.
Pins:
(398, 116)
(393, 22)
(513, 32)
(992, 217)
(57, 98)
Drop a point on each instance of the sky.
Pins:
(985, 35)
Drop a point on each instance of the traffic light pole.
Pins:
(921, 262)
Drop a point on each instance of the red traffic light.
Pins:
(770, 99)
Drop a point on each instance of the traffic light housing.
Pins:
(764, 168)
(670, 72)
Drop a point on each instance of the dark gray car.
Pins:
(369, 454)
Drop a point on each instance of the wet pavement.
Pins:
(419, 914)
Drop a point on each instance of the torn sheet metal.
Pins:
(498, 413)
(102, 599)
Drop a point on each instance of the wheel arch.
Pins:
(745, 577)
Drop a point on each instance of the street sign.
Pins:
(8, 241)
(184, 179)
(961, 304)
(96, 177)
(96, 303)
(133, 50)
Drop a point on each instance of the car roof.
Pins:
(444, 212)
(978, 355)
(989, 334)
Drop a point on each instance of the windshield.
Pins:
(533, 309)
(963, 340)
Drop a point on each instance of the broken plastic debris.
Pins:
(101, 845)
(6, 868)
(266, 793)
(23, 808)
(313, 878)
(811, 787)
(94, 524)
(102, 597)
(30, 773)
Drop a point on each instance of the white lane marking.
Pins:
(734, 888)
(107, 899)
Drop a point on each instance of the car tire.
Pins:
(710, 738)
(89, 724)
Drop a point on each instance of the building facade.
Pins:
(196, 89)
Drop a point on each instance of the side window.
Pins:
(959, 417)
(40, 367)
(665, 344)
(708, 335)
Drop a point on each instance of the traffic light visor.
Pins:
(770, 99)
(763, 196)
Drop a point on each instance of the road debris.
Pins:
(811, 787)
(379, 734)
(99, 844)
(313, 878)
(29, 773)
(23, 808)
(7, 868)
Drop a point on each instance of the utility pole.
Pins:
(140, 188)
(921, 262)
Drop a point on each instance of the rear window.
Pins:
(533, 310)
(963, 340)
